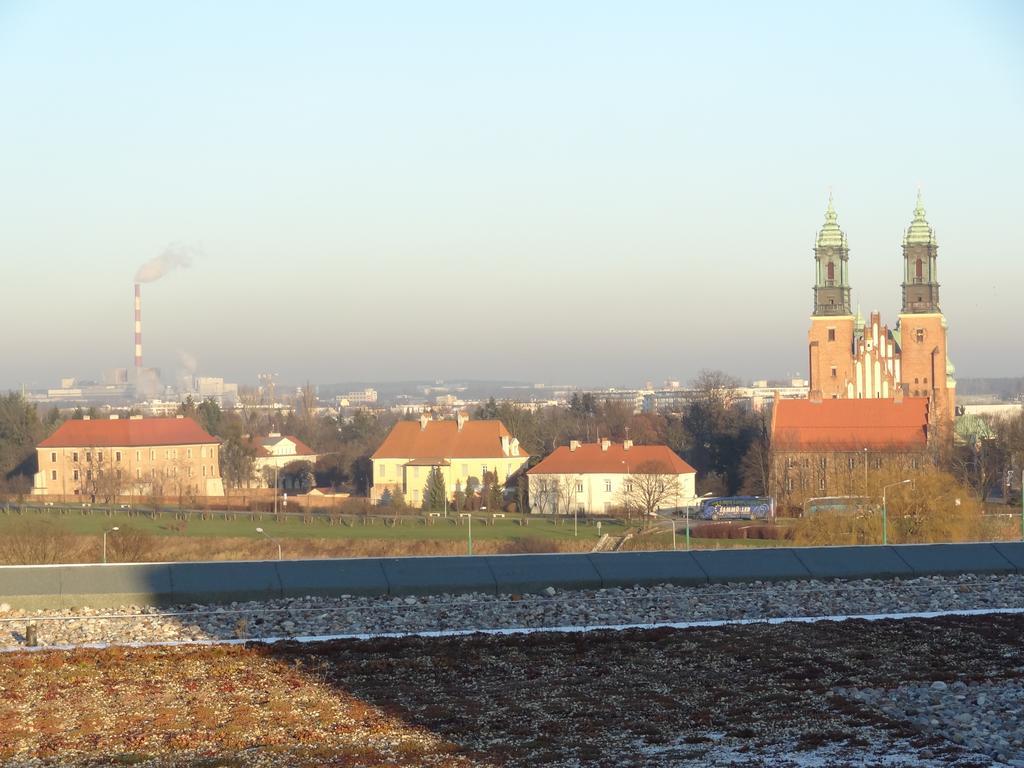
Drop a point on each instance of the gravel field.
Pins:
(781, 696)
(357, 615)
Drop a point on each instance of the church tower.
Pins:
(830, 339)
(926, 370)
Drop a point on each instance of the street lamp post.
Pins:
(111, 530)
(885, 512)
(276, 468)
(469, 541)
(275, 541)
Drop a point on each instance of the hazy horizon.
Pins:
(573, 193)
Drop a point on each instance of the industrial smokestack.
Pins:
(138, 332)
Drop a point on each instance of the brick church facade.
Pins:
(851, 359)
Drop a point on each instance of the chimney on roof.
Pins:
(574, 444)
(460, 419)
(424, 418)
(814, 396)
(898, 396)
(505, 445)
(605, 443)
(627, 444)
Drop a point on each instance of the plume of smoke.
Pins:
(173, 257)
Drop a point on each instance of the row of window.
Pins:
(382, 470)
(169, 453)
(166, 472)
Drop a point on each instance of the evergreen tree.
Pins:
(434, 492)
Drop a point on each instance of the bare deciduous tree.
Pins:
(651, 486)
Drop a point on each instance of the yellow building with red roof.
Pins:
(461, 449)
(107, 459)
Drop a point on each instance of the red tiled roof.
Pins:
(590, 459)
(127, 433)
(301, 449)
(850, 424)
(444, 439)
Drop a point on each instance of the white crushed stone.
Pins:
(349, 615)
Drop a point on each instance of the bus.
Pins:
(839, 505)
(737, 508)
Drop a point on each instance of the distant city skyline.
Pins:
(573, 192)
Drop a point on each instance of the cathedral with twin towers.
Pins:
(851, 358)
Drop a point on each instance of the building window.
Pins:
(53, 474)
(834, 372)
(924, 380)
(380, 470)
(99, 456)
(851, 462)
(204, 470)
(607, 486)
(915, 463)
(483, 469)
(878, 462)
(138, 455)
(628, 486)
(88, 455)
(919, 335)
(138, 474)
(118, 473)
(152, 454)
(188, 453)
(53, 457)
(189, 470)
(75, 475)
(831, 334)
(579, 487)
(74, 456)
(789, 483)
(202, 452)
(821, 483)
(117, 455)
(823, 463)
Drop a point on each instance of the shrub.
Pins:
(37, 542)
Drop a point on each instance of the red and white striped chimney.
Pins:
(138, 331)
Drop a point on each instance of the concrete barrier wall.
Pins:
(109, 586)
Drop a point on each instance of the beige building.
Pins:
(461, 449)
(598, 478)
(103, 460)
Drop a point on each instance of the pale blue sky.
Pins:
(549, 191)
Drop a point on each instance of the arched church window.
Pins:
(920, 268)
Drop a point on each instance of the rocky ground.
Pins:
(884, 693)
(353, 615)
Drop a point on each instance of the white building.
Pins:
(275, 452)
(597, 478)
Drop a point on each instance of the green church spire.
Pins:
(831, 257)
(920, 230)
